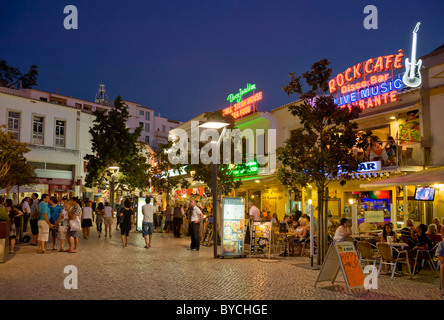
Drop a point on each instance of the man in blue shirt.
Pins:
(55, 212)
(44, 223)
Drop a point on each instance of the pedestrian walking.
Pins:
(87, 219)
(178, 215)
(127, 220)
(64, 224)
(44, 224)
(26, 209)
(196, 217)
(55, 213)
(147, 223)
(13, 213)
(108, 219)
(100, 213)
(74, 215)
(118, 214)
(168, 213)
(33, 219)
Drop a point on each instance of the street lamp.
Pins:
(215, 125)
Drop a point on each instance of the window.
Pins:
(163, 128)
(147, 127)
(147, 139)
(60, 133)
(141, 112)
(14, 124)
(141, 124)
(37, 130)
(147, 116)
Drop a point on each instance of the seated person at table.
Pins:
(422, 243)
(299, 234)
(408, 234)
(283, 226)
(388, 231)
(343, 230)
(433, 234)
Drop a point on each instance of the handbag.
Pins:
(74, 224)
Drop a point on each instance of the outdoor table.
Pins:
(285, 253)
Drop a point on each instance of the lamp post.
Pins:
(215, 125)
(111, 187)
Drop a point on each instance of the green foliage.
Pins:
(326, 136)
(11, 76)
(114, 145)
(203, 172)
(14, 170)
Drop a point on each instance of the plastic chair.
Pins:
(427, 255)
(386, 252)
(366, 252)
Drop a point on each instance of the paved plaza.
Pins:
(168, 271)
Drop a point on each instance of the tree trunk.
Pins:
(320, 251)
(111, 193)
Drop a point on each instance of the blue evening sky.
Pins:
(183, 58)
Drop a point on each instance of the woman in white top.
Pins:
(108, 219)
(87, 219)
(64, 223)
(342, 231)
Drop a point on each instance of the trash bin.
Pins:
(4, 240)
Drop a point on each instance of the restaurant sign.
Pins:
(373, 82)
(242, 107)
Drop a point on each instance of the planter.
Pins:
(4, 240)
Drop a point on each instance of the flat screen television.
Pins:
(425, 193)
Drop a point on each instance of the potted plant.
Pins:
(4, 234)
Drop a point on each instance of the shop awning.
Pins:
(425, 178)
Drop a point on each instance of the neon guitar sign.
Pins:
(412, 76)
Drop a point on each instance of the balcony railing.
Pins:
(396, 155)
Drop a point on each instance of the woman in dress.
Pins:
(64, 224)
(127, 220)
(108, 219)
(87, 219)
(100, 213)
(13, 212)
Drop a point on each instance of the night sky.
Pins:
(182, 58)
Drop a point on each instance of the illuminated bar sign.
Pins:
(377, 84)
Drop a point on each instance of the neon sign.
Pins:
(238, 96)
(371, 66)
(243, 107)
(252, 168)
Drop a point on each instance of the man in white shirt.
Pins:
(255, 214)
(196, 217)
(147, 223)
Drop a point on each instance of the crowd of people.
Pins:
(63, 221)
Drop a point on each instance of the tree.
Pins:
(316, 152)
(203, 172)
(14, 170)
(114, 145)
(11, 76)
(166, 176)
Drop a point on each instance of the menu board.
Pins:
(342, 255)
(260, 237)
(140, 202)
(233, 213)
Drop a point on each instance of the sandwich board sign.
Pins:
(342, 255)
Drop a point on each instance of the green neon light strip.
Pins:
(238, 96)
(251, 169)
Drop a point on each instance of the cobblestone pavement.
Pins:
(168, 271)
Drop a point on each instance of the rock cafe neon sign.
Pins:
(375, 89)
(242, 107)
